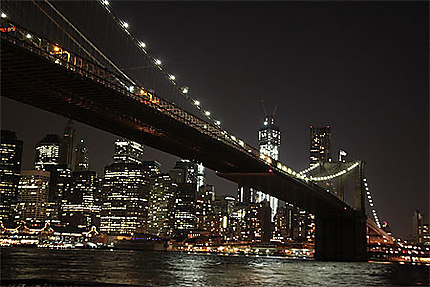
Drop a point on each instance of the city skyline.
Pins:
(363, 138)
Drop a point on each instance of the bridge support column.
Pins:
(340, 238)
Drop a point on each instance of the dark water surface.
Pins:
(181, 269)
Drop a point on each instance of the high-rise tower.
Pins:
(68, 145)
(10, 168)
(82, 159)
(48, 153)
(269, 138)
(320, 144)
(127, 151)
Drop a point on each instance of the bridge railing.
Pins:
(89, 69)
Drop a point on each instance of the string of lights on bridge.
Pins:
(370, 200)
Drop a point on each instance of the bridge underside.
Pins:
(340, 231)
(31, 79)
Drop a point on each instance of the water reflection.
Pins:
(178, 269)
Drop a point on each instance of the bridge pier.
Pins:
(340, 238)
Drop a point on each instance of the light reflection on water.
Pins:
(180, 269)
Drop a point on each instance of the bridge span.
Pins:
(41, 73)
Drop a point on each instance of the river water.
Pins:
(147, 268)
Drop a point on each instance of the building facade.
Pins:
(161, 205)
(33, 193)
(125, 191)
(269, 138)
(185, 175)
(47, 153)
(320, 145)
(81, 205)
(10, 168)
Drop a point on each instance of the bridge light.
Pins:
(218, 123)
(142, 45)
(157, 62)
(106, 2)
(172, 77)
(125, 25)
(207, 113)
(28, 36)
(3, 15)
(131, 89)
(185, 91)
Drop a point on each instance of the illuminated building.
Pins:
(10, 168)
(33, 192)
(246, 194)
(160, 211)
(81, 203)
(426, 234)
(47, 153)
(82, 158)
(269, 137)
(59, 184)
(417, 222)
(185, 175)
(281, 228)
(127, 151)
(222, 222)
(67, 148)
(320, 145)
(251, 222)
(151, 167)
(125, 206)
(200, 176)
(204, 209)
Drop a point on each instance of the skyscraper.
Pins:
(160, 211)
(417, 223)
(59, 185)
(81, 204)
(205, 209)
(47, 152)
(320, 145)
(185, 175)
(67, 149)
(127, 151)
(124, 208)
(82, 158)
(269, 137)
(10, 168)
(125, 192)
(33, 192)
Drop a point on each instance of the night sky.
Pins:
(362, 68)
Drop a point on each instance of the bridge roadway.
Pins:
(37, 76)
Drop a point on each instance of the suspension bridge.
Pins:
(49, 62)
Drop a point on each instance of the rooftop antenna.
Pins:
(264, 108)
(274, 111)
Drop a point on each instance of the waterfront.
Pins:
(183, 269)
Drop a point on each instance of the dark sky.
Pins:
(360, 67)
